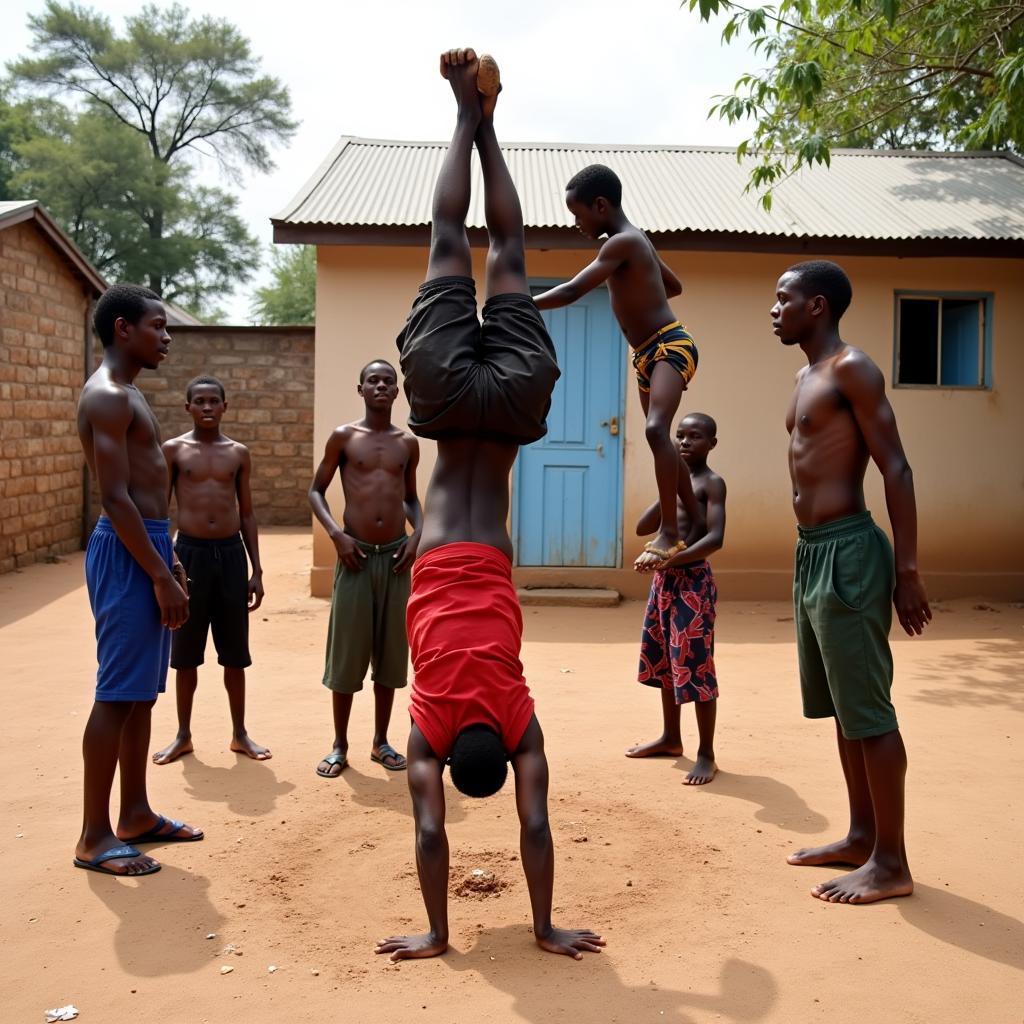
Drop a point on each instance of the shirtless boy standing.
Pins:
(216, 527)
(136, 585)
(846, 582)
(377, 462)
(664, 354)
(481, 390)
(677, 651)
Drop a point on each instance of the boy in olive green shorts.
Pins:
(377, 463)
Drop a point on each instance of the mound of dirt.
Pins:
(479, 884)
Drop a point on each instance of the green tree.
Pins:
(291, 298)
(181, 87)
(924, 73)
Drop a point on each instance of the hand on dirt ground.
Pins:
(412, 947)
(571, 942)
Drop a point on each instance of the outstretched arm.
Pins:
(349, 553)
(250, 535)
(538, 850)
(406, 554)
(427, 789)
(609, 259)
(863, 386)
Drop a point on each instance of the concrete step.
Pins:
(569, 597)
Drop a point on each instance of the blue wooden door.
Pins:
(567, 507)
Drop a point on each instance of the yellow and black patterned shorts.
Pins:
(672, 345)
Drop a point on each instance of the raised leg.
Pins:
(185, 683)
(449, 244)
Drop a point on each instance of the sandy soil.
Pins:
(704, 919)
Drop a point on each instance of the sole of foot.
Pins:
(488, 77)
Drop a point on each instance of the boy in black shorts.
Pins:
(210, 475)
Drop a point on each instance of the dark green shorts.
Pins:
(842, 601)
(368, 623)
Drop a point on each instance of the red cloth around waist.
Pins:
(465, 633)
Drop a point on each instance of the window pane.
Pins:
(919, 341)
(961, 323)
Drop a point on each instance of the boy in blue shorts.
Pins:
(137, 589)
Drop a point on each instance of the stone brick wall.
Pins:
(43, 311)
(268, 375)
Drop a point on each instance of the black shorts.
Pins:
(218, 598)
(463, 378)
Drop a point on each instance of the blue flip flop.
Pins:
(115, 853)
(153, 835)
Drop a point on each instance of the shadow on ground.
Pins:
(557, 987)
(964, 687)
(248, 788)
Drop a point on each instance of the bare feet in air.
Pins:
(867, 884)
(460, 67)
(663, 746)
(572, 942)
(412, 947)
(180, 745)
(850, 852)
(702, 772)
(244, 745)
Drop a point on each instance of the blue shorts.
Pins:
(132, 648)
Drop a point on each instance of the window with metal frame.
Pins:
(942, 340)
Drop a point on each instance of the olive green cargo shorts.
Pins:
(367, 627)
(842, 600)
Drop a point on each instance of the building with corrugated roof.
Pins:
(934, 246)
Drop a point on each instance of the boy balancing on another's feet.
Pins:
(136, 584)
(210, 476)
(677, 650)
(377, 462)
(846, 583)
(481, 391)
(664, 355)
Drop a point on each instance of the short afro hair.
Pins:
(596, 181)
(376, 362)
(478, 762)
(822, 277)
(204, 378)
(121, 300)
(707, 423)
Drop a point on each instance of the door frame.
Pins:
(538, 284)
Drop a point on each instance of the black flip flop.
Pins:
(115, 853)
(153, 835)
(386, 750)
(333, 758)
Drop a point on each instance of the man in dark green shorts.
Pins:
(846, 581)
(377, 462)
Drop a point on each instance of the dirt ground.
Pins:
(704, 919)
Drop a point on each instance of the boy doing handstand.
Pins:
(481, 390)
(677, 649)
(209, 477)
(664, 354)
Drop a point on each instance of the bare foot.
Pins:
(702, 772)
(244, 745)
(661, 747)
(174, 750)
(851, 851)
(460, 67)
(867, 884)
(412, 947)
(658, 550)
(119, 865)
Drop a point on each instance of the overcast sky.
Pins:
(625, 71)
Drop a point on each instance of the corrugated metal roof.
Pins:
(869, 194)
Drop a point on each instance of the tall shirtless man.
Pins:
(136, 585)
(377, 462)
(846, 582)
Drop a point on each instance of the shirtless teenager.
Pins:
(664, 354)
(377, 462)
(677, 650)
(481, 390)
(846, 582)
(210, 476)
(136, 585)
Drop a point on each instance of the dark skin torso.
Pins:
(827, 453)
(204, 476)
(147, 470)
(637, 288)
(373, 468)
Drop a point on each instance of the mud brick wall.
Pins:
(43, 313)
(268, 375)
